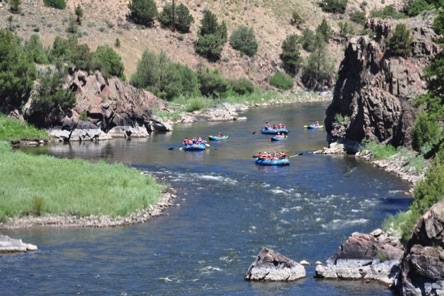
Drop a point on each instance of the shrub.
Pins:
(17, 71)
(334, 6)
(212, 84)
(387, 12)
(59, 4)
(142, 12)
(50, 97)
(281, 81)
(244, 40)
(35, 49)
(242, 86)
(414, 7)
(14, 6)
(108, 62)
(296, 19)
(308, 40)
(63, 49)
(431, 189)
(345, 29)
(400, 41)
(290, 55)
(425, 131)
(211, 38)
(325, 30)
(183, 18)
(379, 151)
(358, 17)
(79, 14)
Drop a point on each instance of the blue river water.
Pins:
(228, 208)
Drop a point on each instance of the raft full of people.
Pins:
(274, 129)
(272, 158)
(194, 144)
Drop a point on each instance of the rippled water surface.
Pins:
(228, 208)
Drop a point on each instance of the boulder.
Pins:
(373, 256)
(421, 271)
(272, 266)
(10, 245)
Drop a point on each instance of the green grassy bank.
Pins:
(37, 185)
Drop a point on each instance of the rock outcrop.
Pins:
(373, 256)
(421, 271)
(272, 266)
(374, 91)
(105, 108)
(10, 245)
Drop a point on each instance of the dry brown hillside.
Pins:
(105, 20)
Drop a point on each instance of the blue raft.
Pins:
(216, 138)
(276, 138)
(275, 162)
(194, 147)
(271, 131)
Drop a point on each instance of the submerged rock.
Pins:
(373, 256)
(272, 266)
(10, 245)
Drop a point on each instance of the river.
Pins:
(228, 209)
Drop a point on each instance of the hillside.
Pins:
(105, 20)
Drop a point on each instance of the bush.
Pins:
(35, 50)
(209, 46)
(63, 49)
(400, 41)
(358, 17)
(143, 12)
(14, 6)
(183, 18)
(244, 40)
(425, 131)
(290, 56)
(414, 7)
(345, 29)
(108, 62)
(242, 86)
(387, 12)
(281, 81)
(211, 38)
(59, 4)
(431, 189)
(17, 72)
(296, 19)
(334, 6)
(308, 40)
(379, 151)
(212, 84)
(325, 30)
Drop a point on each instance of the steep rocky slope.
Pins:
(105, 20)
(375, 89)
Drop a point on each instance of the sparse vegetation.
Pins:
(400, 42)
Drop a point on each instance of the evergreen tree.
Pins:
(290, 56)
(244, 40)
(143, 12)
(17, 72)
(106, 60)
(400, 42)
(183, 18)
(325, 30)
(212, 37)
(35, 49)
(318, 70)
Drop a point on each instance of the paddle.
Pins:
(253, 133)
(171, 148)
(296, 155)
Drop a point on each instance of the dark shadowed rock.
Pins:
(421, 271)
(272, 266)
(372, 256)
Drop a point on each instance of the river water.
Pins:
(228, 209)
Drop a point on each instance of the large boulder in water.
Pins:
(372, 256)
(421, 271)
(272, 266)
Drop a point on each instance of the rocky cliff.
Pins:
(374, 91)
(421, 271)
(105, 108)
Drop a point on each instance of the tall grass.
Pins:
(14, 130)
(42, 184)
(379, 151)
